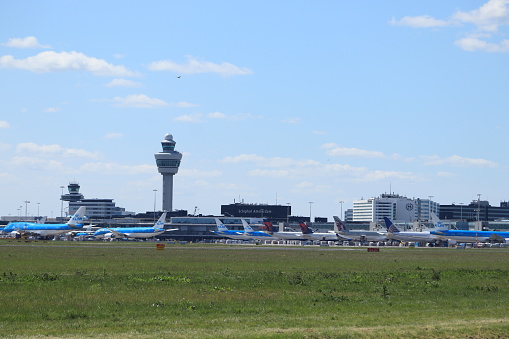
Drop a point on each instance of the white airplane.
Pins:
(308, 234)
(46, 230)
(135, 232)
(283, 235)
(225, 232)
(394, 233)
(256, 235)
(358, 235)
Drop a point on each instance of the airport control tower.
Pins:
(168, 162)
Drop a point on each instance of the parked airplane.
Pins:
(225, 232)
(358, 235)
(472, 236)
(283, 235)
(46, 230)
(256, 235)
(135, 232)
(394, 233)
(308, 234)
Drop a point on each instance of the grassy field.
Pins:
(129, 289)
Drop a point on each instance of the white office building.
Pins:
(394, 207)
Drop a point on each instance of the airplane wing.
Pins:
(496, 239)
(117, 232)
(172, 229)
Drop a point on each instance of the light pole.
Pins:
(155, 195)
(341, 214)
(38, 210)
(62, 205)
(310, 204)
(26, 208)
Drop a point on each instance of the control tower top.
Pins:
(168, 161)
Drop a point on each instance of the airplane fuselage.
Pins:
(413, 236)
(470, 236)
(43, 230)
(363, 235)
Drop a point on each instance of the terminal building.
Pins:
(477, 210)
(394, 207)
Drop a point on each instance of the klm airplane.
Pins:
(256, 235)
(222, 230)
(473, 236)
(134, 232)
(46, 230)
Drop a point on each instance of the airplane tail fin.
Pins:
(246, 226)
(338, 225)
(42, 220)
(304, 228)
(268, 226)
(391, 228)
(439, 225)
(160, 223)
(77, 219)
(220, 226)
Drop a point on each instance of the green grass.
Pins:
(129, 289)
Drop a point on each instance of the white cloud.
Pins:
(488, 17)
(193, 173)
(52, 109)
(114, 135)
(458, 161)
(292, 121)
(338, 151)
(113, 168)
(43, 150)
(194, 118)
(28, 42)
(268, 173)
(4, 124)
(194, 66)
(384, 175)
(138, 101)
(306, 186)
(217, 115)
(50, 61)
(445, 174)
(319, 132)
(31, 163)
(423, 21)
(472, 44)
(185, 104)
(123, 83)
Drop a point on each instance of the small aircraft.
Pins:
(309, 234)
(46, 230)
(135, 232)
(394, 233)
(358, 235)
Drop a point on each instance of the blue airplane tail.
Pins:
(391, 228)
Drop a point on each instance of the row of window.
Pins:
(167, 163)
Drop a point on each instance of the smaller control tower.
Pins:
(168, 162)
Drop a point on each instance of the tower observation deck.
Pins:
(168, 162)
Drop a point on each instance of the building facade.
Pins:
(394, 207)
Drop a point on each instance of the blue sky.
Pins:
(277, 101)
